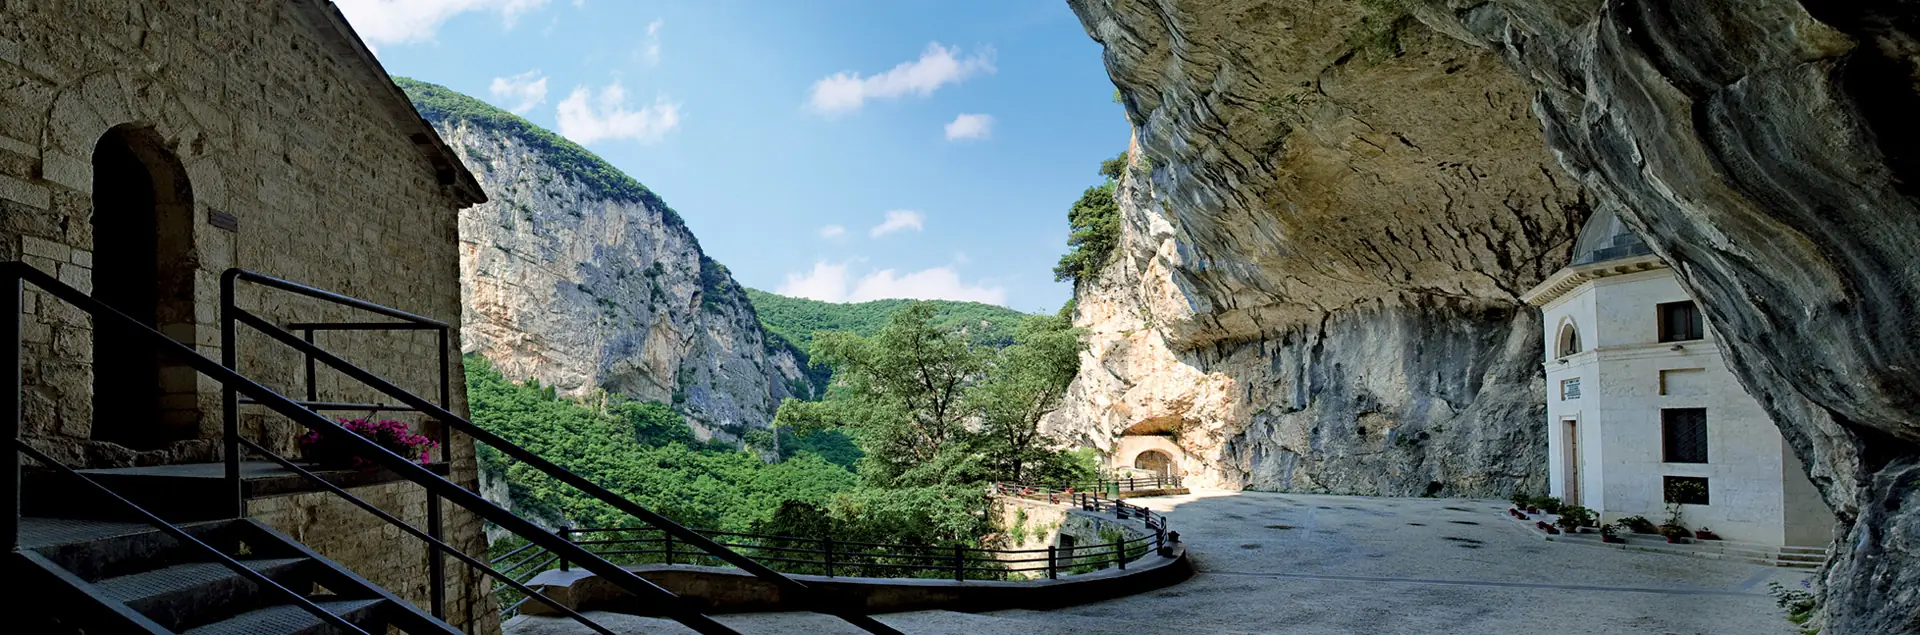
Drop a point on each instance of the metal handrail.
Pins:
(432, 541)
(628, 581)
(229, 280)
(181, 535)
(677, 609)
(19, 273)
(959, 560)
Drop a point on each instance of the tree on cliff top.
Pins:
(1095, 221)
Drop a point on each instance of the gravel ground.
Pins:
(1311, 565)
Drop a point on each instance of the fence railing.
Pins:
(833, 557)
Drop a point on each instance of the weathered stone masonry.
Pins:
(275, 114)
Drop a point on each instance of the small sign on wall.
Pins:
(1569, 389)
(223, 220)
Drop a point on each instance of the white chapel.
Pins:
(1641, 407)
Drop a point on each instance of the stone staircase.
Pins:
(91, 576)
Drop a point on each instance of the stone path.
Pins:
(1314, 565)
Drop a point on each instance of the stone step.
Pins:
(95, 550)
(183, 596)
(288, 619)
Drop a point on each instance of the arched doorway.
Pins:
(143, 266)
(1155, 461)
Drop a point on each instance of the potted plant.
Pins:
(1573, 517)
(1705, 534)
(1610, 532)
(1548, 504)
(1674, 534)
(1639, 525)
(394, 436)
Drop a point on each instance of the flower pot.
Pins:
(1552, 530)
(1706, 535)
(1533, 510)
(1613, 539)
(1676, 540)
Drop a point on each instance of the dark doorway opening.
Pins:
(143, 267)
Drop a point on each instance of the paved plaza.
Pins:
(1323, 565)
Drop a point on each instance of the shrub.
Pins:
(1547, 504)
(1800, 604)
(1639, 524)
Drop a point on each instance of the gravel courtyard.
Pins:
(1322, 565)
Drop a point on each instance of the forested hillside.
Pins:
(797, 319)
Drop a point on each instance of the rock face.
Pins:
(576, 276)
(1318, 284)
(1759, 146)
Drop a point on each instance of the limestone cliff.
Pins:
(1318, 284)
(577, 276)
(1760, 146)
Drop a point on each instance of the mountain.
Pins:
(797, 319)
(576, 275)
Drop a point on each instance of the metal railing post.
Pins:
(313, 388)
(1120, 553)
(1053, 562)
(565, 533)
(959, 566)
(10, 375)
(826, 545)
(230, 398)
(667, 543)
(436, 561)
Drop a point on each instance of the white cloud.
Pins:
(520, 93)
(970, 126)
(899, 220)
(649, 52)
(832, 231)
(829, 282)
(400, 21)
(846, 91)
(585, 118)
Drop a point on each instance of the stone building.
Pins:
(1642, 411)
(145, 148)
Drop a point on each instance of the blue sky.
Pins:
(834, 149)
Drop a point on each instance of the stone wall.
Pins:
(269, 113)
(383, 554)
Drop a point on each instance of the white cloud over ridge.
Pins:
(520, 93)
(969, 126)
(899, 220)
(847, 91)
(585, 118)
(830, 282)
(402, 21)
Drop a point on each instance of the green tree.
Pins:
(1094, 221)
(1023, 383)
(902, 394)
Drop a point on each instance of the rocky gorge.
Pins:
(578, 277)
(1333, 206)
